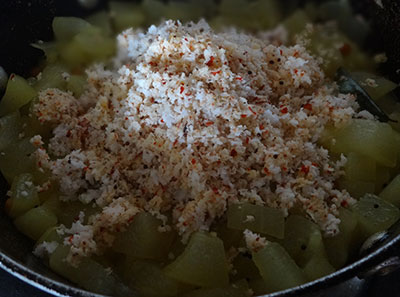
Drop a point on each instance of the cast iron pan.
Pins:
(25, 21)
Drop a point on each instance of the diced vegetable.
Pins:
(277, 268)
(375, 214)
(49, 49)
(245, 268)
(383, 177)
(376, 86)
(53, 76)
(317, 267)
(50, 235)
(303, 240)
(101, 20)
(18, 93)
(149, 279)
(89, 274)
(10, 127)
(230, 237)
(369, 138)
(95, 44)
(35, 222)
(296, 22)
(260, 219)
(126, 15)
(360, 168)
(143, 239)
(205, 253)
(16, 159)
(76, 84)
(391, 193)
(23, 196)
(356, 188)
(338, 247)
(66, 28)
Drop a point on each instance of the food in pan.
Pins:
(179, 159)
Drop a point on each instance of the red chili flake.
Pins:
(209, 123)
(216, 72)
(243, 116)
(296, 71)
(239, 78)
(163, 82)
(12, 76)
(344, 203)
(71, 238)
(296, 54)
(210, 62)
(131, 219)
(215, 190)
(175, 142)
(346, 49)
(182, 89)
(85, 168)
(68, 133)
(261, 127)
(305, 169)
(186, 39)
(331, 108)
(314, 164)
(162, 121)
(308, 106)
(281, 52)
(284, 110)
(233, 153)
(247, 140)
(188, 94)
(252, 111)
(267, 171)
(193, 161)
(284, 168)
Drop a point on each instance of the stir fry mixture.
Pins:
(183, 160)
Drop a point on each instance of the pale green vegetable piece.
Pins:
(51, 235)
(338, 248)
(360, 168)
(153, 9)
(71, 54)
(303, 239)
(207, 254)
(24, 196)
(277, 268)
(10, 127)
(101, 20)
(68, 212)
(126, 15)
(76, 84)
(53, 76)
(149, 279)
(376, 86)
(383, 177)
(375, 214)
(391, 192)
(143, 239)
(296, 22)
(95, 44)
(259, 287)
(65, 28)
(18, 93)
(16, 159)
(230, 237)
(89, 274)
(31, 126)
(317, 267)
(260, 219)
(357, 188)
(35, 222)
(245, 268)
(365, 137)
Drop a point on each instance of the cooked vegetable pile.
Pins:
(254, 247)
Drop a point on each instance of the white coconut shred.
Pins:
(189, 121)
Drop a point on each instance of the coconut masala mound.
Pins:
(189, 121)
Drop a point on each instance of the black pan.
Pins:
(25, 21)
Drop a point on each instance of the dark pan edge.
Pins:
(39, 281)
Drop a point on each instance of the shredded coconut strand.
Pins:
(190, 121)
